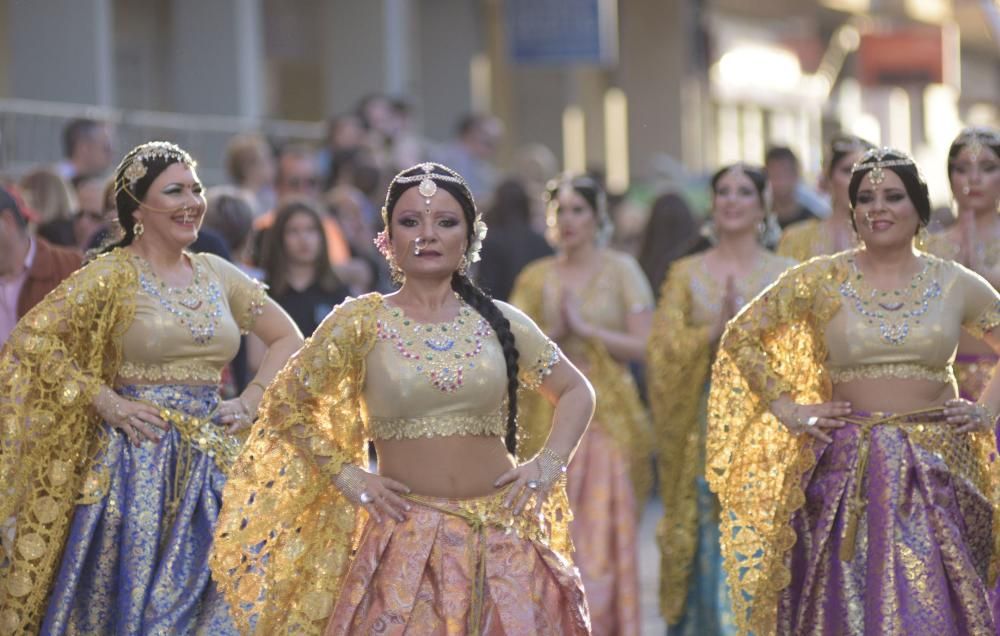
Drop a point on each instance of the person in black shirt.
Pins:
(784, 174)
(297, 265)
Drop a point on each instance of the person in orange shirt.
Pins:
(298, 176)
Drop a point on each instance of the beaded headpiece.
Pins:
(875, 161)
(428, 177)
(134, 166)
(976, 137)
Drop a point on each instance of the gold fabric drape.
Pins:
(754, 464)
(51, 369)
(677, 358)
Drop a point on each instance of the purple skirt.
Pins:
(136, 562)
(906, 550)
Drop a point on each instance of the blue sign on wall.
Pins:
(562, 31)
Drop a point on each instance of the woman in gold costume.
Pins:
(597, 304)
(701, 293)
(452, 534)
(974, 241)
(813, 237)
(859, 493)
(115, 440)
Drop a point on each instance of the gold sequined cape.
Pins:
(754, 464)
(803, 240)
(285, 536)
(677, 366)
(51, 369)
(619, 411)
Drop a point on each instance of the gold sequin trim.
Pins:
(184, 371)
(490, 424)
(901, 370)
(533, 376)
(986, 322)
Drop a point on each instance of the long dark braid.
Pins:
(478, 300)
(449, 180)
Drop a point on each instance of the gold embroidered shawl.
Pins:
(754, 464)
(51, 368)
(677, 360)
(619, 411)
(286, 535)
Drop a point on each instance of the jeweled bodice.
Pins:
(189, 333)
(445, 378)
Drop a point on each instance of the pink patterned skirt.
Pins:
(604, 533)
(463, 566)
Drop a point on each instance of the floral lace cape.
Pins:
(51, 368)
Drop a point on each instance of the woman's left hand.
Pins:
(525, 481)
(535, 477)
(970, 417)
(233, 413)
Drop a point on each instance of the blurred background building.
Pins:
(639, 88)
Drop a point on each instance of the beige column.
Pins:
(60, 50)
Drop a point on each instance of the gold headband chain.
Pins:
(428, 188)
(976, 138)
(877, 174)
(133, 167)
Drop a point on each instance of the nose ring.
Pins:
(418, 245)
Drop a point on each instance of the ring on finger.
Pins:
(532, 484)
(365, 498)
(812, 421)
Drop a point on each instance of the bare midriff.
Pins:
(893, 395)
(455, 467)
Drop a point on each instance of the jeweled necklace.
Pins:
(441, 352)
(894, 309)
(188, 304)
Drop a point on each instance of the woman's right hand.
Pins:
(376, 494)
(729, 307)
(135, 419)
(812, 419)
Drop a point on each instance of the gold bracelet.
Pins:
(551, 465)
(351, 484)
(986, 414)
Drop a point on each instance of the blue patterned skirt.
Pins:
(136, 562)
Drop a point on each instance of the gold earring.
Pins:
(463, 265)
(139, 229)
(395, 273)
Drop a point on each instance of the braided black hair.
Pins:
(460, 283)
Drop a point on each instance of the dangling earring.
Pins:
(463, 265)
(395, 273)
(138, 230)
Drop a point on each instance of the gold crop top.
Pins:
(441, 379)
(189, 334)
(911, 332)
